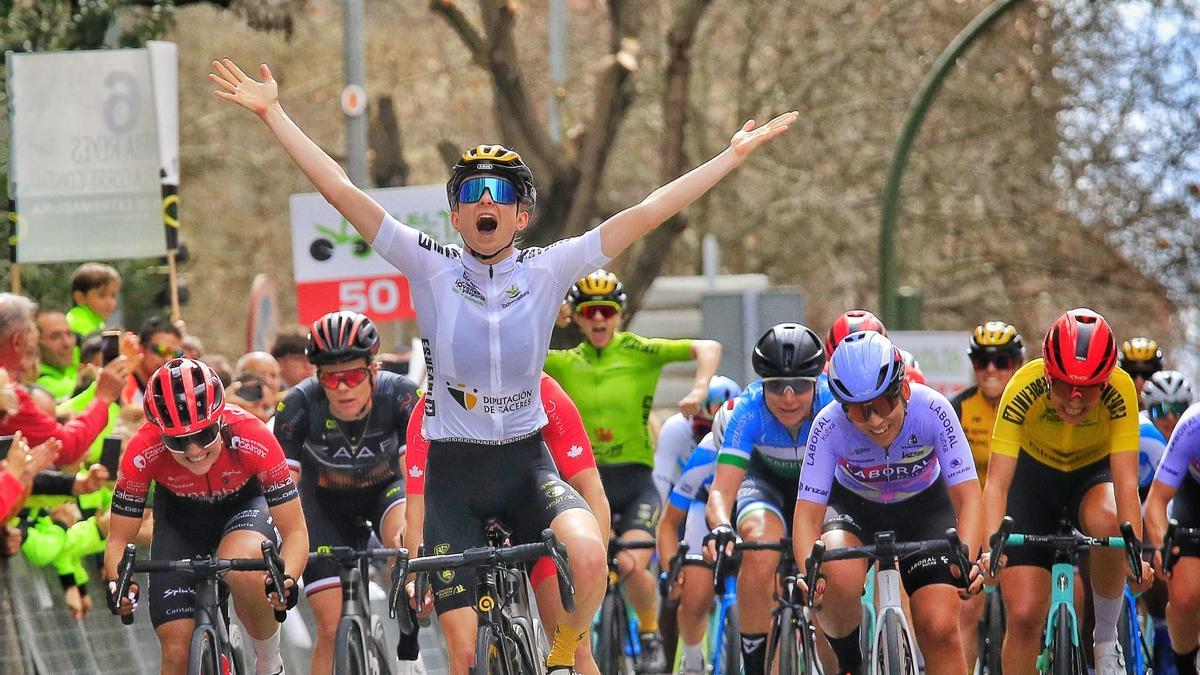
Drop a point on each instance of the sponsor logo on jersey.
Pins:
(415, 471)
(1016, 409)
(888, 472)
(139, 461)
(427, 353)
(912, 439)
(949, 424)
(464, 287)
(555, 491)
(428, 244)
(507, 403)
(603, 434)
(575, 451)
(1115, 403)
(514, 294)
(468, 400)
(441, 549)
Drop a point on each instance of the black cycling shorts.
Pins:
(1040, 497)
(632, 497)
(1185, 507)
(467, 484)
(332, 517)
(924, 516)
(172, 595)
(759, 492)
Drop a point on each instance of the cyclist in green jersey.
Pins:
(611, 376)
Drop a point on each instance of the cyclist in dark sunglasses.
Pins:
(222, 484)
(996, 351)
(626, 368)
(343, 432)
(1141, 358)
(1166, 396)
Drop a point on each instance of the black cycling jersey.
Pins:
(346, 455)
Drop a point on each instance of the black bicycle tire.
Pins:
(523, 638)
(487, 647)
(604, 637)
(731, 660)
(349, 649)
(811, 660)
(1066, 658)
(789, 649)
(203, 652)
(893, 646)
(991, 635)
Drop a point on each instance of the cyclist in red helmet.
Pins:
(343, 432)
(851, 322)
(221, 486)
(1065, 445)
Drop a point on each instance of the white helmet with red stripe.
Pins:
(184, 396)
(338, 337)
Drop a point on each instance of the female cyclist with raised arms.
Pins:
(889, 455)
(1065, 445)
(486, 312)
(221, 487)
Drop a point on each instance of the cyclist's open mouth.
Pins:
(486, 223)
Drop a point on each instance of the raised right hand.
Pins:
(112, 379)
(257, 97)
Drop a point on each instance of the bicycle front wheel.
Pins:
(895, 655)
(811, 662)
(991, 634)
(349, 649)
(1066, 656)
(610, 641)
(203, 658)
(729, 658)
(489, 653)
(789, 649)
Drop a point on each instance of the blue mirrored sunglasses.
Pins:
(472, 190)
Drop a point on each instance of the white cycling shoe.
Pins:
(1109, 659)
(411, 667)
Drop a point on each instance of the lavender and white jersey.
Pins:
(1182, 457)
(930, 445)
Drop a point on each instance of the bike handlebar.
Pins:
(1174, 536)
(1067, 543)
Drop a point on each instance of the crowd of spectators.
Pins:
(62, 402)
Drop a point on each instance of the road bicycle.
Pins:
(1062, 650)
(991, 632)
(217, 646)
(506, 643)
(617, 648)
(359, 646)
(893, 649)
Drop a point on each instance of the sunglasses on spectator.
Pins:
(1159, 411)
(1066, 391)
(501, 190)
(605, 310)
(780, 385)
(203, 438)
(882, 406)
(350, 378)
(165, 351)
(1001, 361)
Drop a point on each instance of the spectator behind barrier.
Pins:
(58, 371)
(159, 341)
(18, 341)
(94, 290)
(192, 347)
(288, 350)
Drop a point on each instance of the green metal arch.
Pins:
(912, 125)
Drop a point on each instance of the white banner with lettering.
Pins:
(84, 161)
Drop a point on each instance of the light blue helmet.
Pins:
(721, 389)
(865, 366)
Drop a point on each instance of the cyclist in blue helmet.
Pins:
(888, 455)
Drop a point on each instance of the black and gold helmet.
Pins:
(1140, 355)
(599, 286)
(497, 160)
(996, 337)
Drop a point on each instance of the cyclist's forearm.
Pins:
(289, 519)
(968, 508)
(716, 511)
(1156, 512)
(708, 359)
(121, 531)
(806, 523)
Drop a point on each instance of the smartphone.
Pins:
(110, 455)
(110, 345)
(5, 444)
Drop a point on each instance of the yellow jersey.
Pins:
(1027, 422)
(977, 417)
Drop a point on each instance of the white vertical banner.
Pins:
(84, 158)
(164, 73)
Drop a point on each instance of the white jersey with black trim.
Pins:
(485, 329)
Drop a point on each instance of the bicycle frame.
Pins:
(887, 586)
(1062, 594)
(725, 601)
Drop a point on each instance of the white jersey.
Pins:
(485, 329)
(674, 447)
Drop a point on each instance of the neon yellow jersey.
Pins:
(614, 391)
(1027, 422)
(978, 418)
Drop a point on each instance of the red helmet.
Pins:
(1080, 349)
(183, 397)
(338, 337)
(851, 322)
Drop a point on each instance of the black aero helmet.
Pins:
(497, 160)
(338, 337)
(788, 350)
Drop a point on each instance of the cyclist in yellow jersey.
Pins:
(996, 351)
(1141, 358)
(1065, 446)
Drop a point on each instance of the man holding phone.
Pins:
(58, 370)
(18, 338)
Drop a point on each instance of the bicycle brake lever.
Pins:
(999, 542)
(812, 571)
(274, 568)
(1133, 551)
(421, 587)
(126, 579)
(1169, 546)
(566, 583)
(957, 556)
(398, 608)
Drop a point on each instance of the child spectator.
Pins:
(94, 289)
